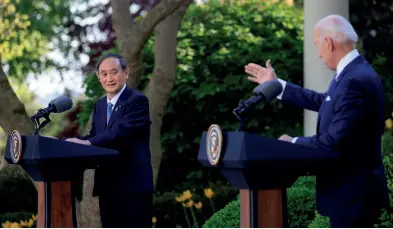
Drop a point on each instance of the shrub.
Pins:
(301, 207)
(227, 217)
(319, 221)
(12, 217)
(17, 193)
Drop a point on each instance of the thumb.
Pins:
(268, 64)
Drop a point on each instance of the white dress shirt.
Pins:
(116, 97)
(340, 66)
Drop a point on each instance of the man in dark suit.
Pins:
(121, 121)
(350, 121)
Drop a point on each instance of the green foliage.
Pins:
(215, 42)
(386, 219)
(26, 30)
(15, 216)
(93, 91)
(171, 213)
(301, 203)
(17, 193)
(227, 217)
(320, 222)
(387, 142)
(300, 200)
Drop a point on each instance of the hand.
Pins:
(285, 138)
(79, 141)
(260, 74)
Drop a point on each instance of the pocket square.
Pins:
(327, 98)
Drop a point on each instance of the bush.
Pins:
(301, 207)
(320, 222)
(227, 217)
(386, 219)
(15, 217)
(17, 193)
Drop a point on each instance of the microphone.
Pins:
(264, 92)
(58, 105)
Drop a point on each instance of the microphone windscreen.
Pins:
(61, 104)
(270, 89)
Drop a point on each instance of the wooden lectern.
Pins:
(262, 168)
(54, 164)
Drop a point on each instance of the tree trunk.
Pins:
(13, 116)
(133, 36)
(163, 79)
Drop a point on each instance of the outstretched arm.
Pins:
(300, 97)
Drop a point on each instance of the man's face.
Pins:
(112, 76)
(325, 51)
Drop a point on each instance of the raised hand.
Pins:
(259, 74)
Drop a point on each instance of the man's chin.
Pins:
(111, 90)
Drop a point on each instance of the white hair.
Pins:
(338, 28)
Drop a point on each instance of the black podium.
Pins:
(54, 164)
(262, 168)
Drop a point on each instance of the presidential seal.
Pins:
(16, 146)
(214, 144)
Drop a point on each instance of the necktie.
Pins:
(108, 112)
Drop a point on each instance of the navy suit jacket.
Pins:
(351, 122)
(128, 131)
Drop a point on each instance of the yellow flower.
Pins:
(8, 224)
(190, 203)
(34, 217)
(198, 205)
(30, 223)
(154, 219)
(24, 223)
(389, 123)
(180, 198)
(208, 193)
(187, 195)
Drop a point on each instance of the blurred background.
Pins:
(189, 59)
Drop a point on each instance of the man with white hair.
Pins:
(350, 121)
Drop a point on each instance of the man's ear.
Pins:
(126, 71)
(330, 43)
(98, 75)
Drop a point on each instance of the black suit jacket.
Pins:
(128, 132)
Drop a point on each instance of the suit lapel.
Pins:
(358, 60)
(119, 107)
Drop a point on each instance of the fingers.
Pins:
(253, 79)
(253, 69)
(268, 65)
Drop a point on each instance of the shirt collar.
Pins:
(116, 97)
(345, 61)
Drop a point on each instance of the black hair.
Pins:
(123, 63)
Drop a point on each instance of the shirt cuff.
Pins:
(294, 140)
(283, 83)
